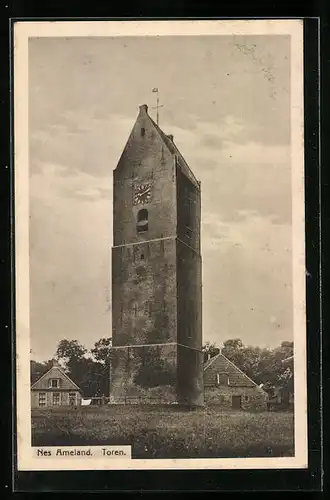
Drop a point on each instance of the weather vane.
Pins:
(157, 105)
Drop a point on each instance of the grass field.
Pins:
(168, 432)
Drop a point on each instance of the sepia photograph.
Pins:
(160, 259)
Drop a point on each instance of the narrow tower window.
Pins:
(142, 221)
(143, 131)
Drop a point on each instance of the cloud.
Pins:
(70, 239)
(51, 181)
(251, 232)
(81, 141)
(247, 278)
(237, 173)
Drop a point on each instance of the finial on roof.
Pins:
(144, 108)
(55, 363)
(170, 136)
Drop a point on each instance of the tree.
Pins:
(70, 351)
(72, 354)
(102, 354)
(210, 350)
(91, 378)
(38, 369)
(102, 350)
(249, 358)
(233, 350)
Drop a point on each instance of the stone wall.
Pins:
(189, 296)
(252, 398)
(144, 374)
(144, 159)
(190, 376)
(144, 293)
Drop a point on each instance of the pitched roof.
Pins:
(54, 372)
(221, 364)
(185, 169)
(168, 142)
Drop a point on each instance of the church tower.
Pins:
(156, 273)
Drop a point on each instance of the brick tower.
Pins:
(156, 273)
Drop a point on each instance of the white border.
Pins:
(22, 32)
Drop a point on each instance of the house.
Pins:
(55, 388)
(226, 385)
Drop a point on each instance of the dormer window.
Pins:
(54, 383)
(142, 221)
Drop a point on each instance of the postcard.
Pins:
(159, 245)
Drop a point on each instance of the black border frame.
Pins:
(204, 480)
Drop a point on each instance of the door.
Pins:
(72, 399)
(236, 402)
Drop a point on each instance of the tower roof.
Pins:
(169, 142)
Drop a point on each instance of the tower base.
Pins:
(166, 374)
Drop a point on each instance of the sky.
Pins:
(227, 102)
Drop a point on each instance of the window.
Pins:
(142, 256)
(56, 398)
(142, 221)
(222, 379)
(143, 132)
(54, 383)
(246, 398)
(72, 398)
(42, 399)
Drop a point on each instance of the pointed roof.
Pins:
(169, 141)
(54, 371)
(170, 145)
(221, 364)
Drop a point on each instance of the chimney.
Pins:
(55, 363)
(143, 108)
(208, 356)
(170, 136)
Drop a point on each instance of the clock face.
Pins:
(142, 194)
